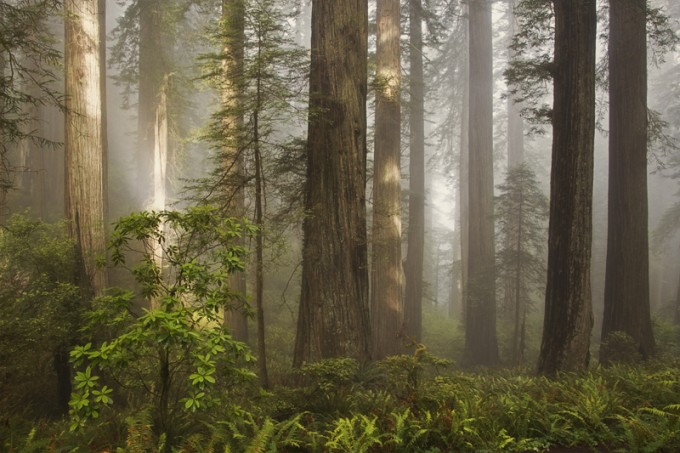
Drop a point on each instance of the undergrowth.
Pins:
(413, 404)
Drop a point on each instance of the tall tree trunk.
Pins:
(516, 287)
(152, 72)
(464, 183)
(568, 306)
(259, 221)
(4, 164)
(105, 115)
(259, 266)
(626, 293)
(233, 12)
(413, 291)
(334, 312)
(152, 116)
(84, 144)
(84, 141)
(676, 314)
(513, 297)
(481, 346)
(386, 272)
(515, 120)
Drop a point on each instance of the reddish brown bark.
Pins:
(568, 306)
(333, 319)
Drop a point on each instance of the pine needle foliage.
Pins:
(28, 73)
(521, 227)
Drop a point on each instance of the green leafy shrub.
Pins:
(176, 358)
(327, 386)
(40, 309)
(619, 347)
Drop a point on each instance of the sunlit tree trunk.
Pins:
(333, 319)
(84, 140)
(481, 346)
(233, 13)
(386, 271)
(152, 115)
(626, 294)
(568, 306)
(152, 72)
(85, 167)
(413, 291)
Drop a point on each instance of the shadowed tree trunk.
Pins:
(386, 272)
(568, 306)
(464, 183)
(481, 347)
(233, 13)
(626, 294)
(413, 291)
(333, 320)
(676, 314)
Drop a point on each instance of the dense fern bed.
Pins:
(405, 404)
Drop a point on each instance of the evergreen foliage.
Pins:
(521, 218)
(40, 311)
(271, 87)
(28, 63)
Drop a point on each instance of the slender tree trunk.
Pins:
(151, 79)
(515, 120)
(84, 142)
(259, 239)
(512, 293)
(334, 311)
(519, 303)
(481, 347)
(259, 272)
(160, 165)
(386, 272)
(568, 306)
(233, 12)
(413, 291)
(105, 116)
(4, 165)
(464, 185)
(626, 294)
(676, 314)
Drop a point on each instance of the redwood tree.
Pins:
(233, 16)
(568, 308)
(333, 318)
(386, 271)
(481, 346)
(413, 292)
(626, 294)
(85, 140)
